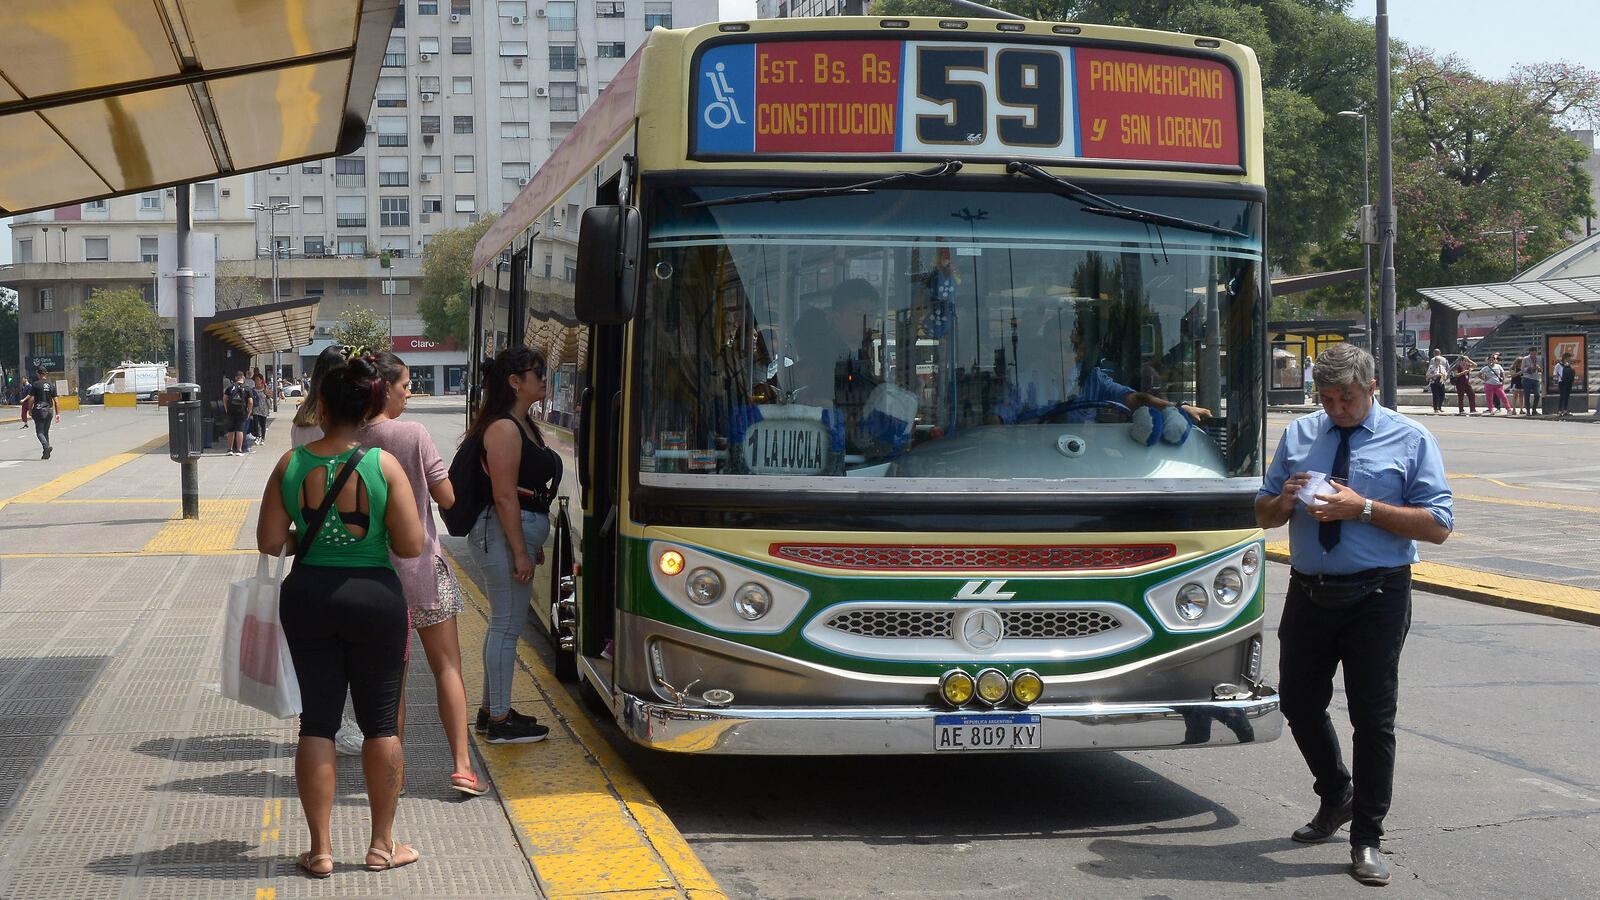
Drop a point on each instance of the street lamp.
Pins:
(282, 207)
(1366, 204)
(1516, 232)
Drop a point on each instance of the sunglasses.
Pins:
(538, 372)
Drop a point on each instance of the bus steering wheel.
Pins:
(1057, 414)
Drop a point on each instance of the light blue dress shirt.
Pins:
(1392, 460)
(1097, 386)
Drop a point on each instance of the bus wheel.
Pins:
(592, 699)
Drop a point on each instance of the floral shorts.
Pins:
(450, 600)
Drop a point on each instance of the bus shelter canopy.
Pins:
(1550, 296)
(107, 97)
(258, 330)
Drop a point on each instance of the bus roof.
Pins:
(106, 97)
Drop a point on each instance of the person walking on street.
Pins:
(27, 401)
(238, 400)
(1438, 374)
(432, 593)
(1532, 376)
(1566, 374)
(1494, 391)
(43, 409)
(508, 539)
(1305, 375)
(1349, 595)
(259, 408)
(1463, 381)
(343, 613)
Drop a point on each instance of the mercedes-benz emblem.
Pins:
(981, 630)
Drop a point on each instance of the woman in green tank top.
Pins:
(342, 608)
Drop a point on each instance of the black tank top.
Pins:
(538, 473)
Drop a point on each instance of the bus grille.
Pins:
(925, 623)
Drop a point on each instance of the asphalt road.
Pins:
(81, 437)
(1497, 791)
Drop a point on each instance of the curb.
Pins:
(1490, 589)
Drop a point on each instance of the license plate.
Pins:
(988, 731)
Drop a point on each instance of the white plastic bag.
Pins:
(256, 668)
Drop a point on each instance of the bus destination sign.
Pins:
(966, 99)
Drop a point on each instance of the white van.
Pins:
(143, 379)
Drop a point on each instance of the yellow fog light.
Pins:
(1026, 687)
(956, 687)
(670, 563)
(992, 687)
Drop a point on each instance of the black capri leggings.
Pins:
(347, 630)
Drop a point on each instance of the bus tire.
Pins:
(593, 701)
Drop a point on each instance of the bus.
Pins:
(913, 374)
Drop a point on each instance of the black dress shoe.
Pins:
(1367, 866)
(1323, 825)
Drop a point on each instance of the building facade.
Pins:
(787, 9)
(472, 98)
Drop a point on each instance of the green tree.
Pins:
(360, 327)
(118, 325)
(1315, 62)
(8, 331)
(446, 283)
(236, 291)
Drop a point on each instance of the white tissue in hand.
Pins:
(1141, 425)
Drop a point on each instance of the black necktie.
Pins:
(1328, 532)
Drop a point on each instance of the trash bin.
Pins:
(185, 440)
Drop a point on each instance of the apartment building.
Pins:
(472, 98)
(788, 9)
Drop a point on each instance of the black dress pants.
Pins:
(1366, 638)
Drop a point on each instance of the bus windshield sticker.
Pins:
(871, 97)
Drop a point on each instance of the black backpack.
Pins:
(471, 485)
(238, 399)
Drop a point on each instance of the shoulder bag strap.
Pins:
(315, 525)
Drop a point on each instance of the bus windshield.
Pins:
(922, 335)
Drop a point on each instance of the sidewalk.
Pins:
(124, 773)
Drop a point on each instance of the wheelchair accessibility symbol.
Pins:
(725, 109)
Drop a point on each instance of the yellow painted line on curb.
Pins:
(79, 477)
(90, 554)
(1559, 601)
(586, 823)
(215, 531)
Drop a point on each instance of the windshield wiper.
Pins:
(943, 170)
(1101, 206)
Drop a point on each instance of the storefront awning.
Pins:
(267, 328)
(1551, 296)
(107, 97)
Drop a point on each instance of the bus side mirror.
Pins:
(609, 243)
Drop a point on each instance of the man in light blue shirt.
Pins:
(1351, 547)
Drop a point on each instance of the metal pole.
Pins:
(188, 471)
(1366, 248)
(1386, 225)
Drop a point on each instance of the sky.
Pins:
(1491, 35)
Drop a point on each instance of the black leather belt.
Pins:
(1339, 578)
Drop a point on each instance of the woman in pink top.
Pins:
(431, 591)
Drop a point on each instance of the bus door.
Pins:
(599, 474)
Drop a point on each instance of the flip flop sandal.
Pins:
(388, 858)
(306, 860)
(471, 785)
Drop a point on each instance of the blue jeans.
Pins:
(508, 600)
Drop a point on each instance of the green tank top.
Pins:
(334, 544)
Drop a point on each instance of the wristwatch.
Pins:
(1366, 511)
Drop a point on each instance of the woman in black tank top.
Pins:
(524, 475)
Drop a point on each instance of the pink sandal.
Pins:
(471, 785)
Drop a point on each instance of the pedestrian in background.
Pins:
(1349, 595)
(432, 594)
(1305, 375)
(342, 609)
(1566, 374)
(1462, 377)
(1438, 373)
(508, 539)
(1494, 391)
(43, 409)
(259, 408)
(1532, 376)
(305, 428)
(238, 400)
(27, 401)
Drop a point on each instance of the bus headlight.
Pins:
(752, 601)
(1191, 602)
(703, 586)
(1251, 561)
(1026, 687)
(1228, 586)
(956, 687)
(992, 687)
(670, 563)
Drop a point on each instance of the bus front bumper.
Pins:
(835, 731)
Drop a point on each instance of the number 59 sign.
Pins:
(965, 100)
